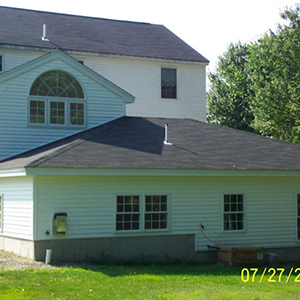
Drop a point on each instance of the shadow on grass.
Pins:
(149, 265)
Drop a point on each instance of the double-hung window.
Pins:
(156, 212)
(233, 218)
(57, 99)
(141, 213)
(168, 83)
(128, 213)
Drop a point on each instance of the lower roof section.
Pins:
(132, 143)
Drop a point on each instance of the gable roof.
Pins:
(138, 143)
(58, 54)
(21, 27)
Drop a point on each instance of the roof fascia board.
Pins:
(58, 54)
(107, 55)
(158, 172)
(13, 172)
(138, 58)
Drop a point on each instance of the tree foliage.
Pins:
(228, 98)
(275, 77)
(257, 86)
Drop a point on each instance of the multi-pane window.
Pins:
(156, 212)
(298, 216)
(133, 211)
(168, 83)
(57, 113)
(128, 213)
(56, 98)
(37, 112)
(76, 113)
(56, 84)
(233, 212)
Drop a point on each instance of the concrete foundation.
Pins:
(147, 248)
(17, 246)
(150, 248)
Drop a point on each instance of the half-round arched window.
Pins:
(57, 99)
(56, 84)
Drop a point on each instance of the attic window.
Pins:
(57, 84)
(57, 99)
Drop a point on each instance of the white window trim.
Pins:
(47, 123)
(142, 213)
(160, 91)
(116, 212)
(223, 212)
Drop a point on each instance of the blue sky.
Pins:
(208, 26)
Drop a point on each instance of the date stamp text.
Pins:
(271, 275)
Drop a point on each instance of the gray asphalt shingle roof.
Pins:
(135, 142)
(21, 27)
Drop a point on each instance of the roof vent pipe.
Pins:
(44, 38)
(166, 142)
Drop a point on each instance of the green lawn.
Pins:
(145, 282)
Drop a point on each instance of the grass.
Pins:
(178, 281)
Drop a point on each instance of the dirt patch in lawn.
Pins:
(12, 261)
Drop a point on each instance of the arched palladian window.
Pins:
(57, 98)
(57, 84)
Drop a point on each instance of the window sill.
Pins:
(44, 126)
(169, 99)
(141, 232)
(233, 231)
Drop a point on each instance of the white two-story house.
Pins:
(105, 150)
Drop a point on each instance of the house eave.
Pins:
(30, 171)
(104, 55)
(17, 172)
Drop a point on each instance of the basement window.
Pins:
(168, 83)
(233, 212)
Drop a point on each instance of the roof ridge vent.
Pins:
(166, 142)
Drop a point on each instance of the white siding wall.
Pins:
(17, 207)
(90, 204)
(142, 79)
(15, 134)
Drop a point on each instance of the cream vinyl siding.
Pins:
(141, 78)
(17, 136)
(270, 215)
(17, 207)
(15, 58)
